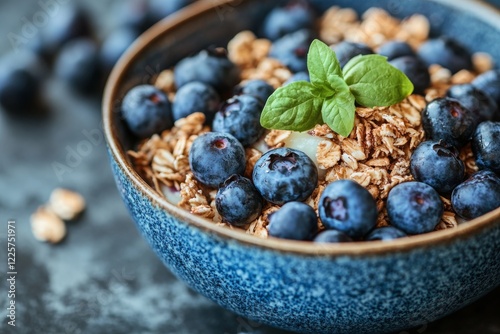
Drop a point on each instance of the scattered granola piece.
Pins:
(66, 204)
(47, 226)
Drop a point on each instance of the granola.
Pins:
(376, 154)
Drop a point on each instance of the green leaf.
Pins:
(339, 111)
(375, 82)
(322, 64)
(296, 107)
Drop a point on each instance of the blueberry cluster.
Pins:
(209, 82)
(469, 114)
(69, 45)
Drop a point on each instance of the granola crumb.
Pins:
(66, 204)
(47, 226)
(482, 62)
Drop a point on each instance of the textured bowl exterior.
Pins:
(320, 292)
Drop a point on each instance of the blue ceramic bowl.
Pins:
(348, 288)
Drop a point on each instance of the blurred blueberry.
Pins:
(70, 22)
(114, 45)
(347, 50)
(294, 16)
(489, 83)
(21, 75)
(211, 67)
(163, 8)
(291, 50)
(446, 52)
(300, 76)
(258, 88)
(395, 49)
(78, 65)
(135, 14)
(415, 70)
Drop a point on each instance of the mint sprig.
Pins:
(332, 94)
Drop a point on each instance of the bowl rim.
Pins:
(307, 248)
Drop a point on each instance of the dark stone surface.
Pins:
(103, 278)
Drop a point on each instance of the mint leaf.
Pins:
(375, 82)
(339, 111)
(322, 64)
(296, 107)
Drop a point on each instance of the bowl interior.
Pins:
(209, 23)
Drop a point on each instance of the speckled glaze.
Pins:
(368, 287)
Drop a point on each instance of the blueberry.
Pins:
(332, 236)
(446, 52)
(114, 45)
(135, 14)
(240, 116)
(258, 88)
(291, 50)
(299, 76)
(414, 207)
(486, 146)
(489, 83)
(211, 67)
(69, 22)
(146, 110)
(348, 207)
(195, 97)
(294, 220)
(395, 49)
(294, 16)
(162, 8)
(79, 66)
(283, 175)
(477, 195)
(415, 70)
(448, 120)
(20, 81)
(347, 50)
(215, 156)
(385, 233)
(237, 201)
(437, 164)
(474, 99)
(18, 90)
